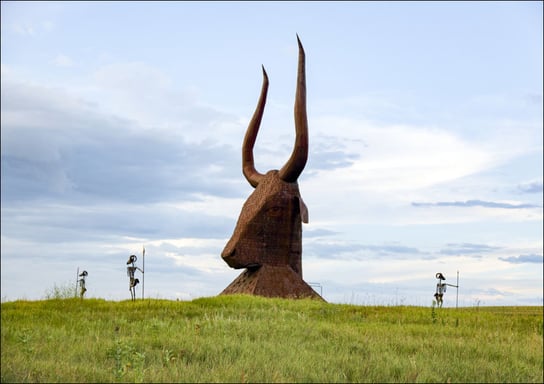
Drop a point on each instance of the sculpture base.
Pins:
(271, 281)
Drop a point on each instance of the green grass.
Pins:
(253, 339)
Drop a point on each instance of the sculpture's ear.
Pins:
(303, 211)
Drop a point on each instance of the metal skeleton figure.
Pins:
(130, 273)
(81, 282)
(440, 289)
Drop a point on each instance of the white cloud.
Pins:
(48, 25)
(63, 61)
(28, 28)
(401, 158)
(23, 29)
(130, 77)
(146, 95)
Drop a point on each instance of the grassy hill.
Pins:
(253, 339)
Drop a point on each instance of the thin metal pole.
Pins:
(457, 296)
(143, 269)
(77, 280)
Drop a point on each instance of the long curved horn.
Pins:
(294, 166)
(248, 165)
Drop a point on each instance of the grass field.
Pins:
(253, 339)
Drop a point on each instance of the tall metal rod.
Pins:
(77, 280)
(457, 296)
(143, 270)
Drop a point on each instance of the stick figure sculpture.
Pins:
(130, 273)
(440, 289)
(81, 282)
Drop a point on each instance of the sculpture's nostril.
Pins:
(228, 253)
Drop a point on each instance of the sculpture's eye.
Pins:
(274, 211)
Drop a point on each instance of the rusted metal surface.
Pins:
(267, 240)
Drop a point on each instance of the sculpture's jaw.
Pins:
(233, 261)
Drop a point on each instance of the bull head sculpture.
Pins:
(269, 229)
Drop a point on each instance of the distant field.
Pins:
(253, 339)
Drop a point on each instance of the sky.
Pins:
(122, 125)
